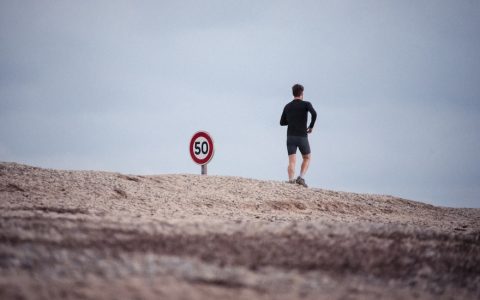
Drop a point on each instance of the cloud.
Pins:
(122, 86)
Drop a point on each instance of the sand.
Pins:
(103, 235)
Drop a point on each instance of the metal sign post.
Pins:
(201, 149)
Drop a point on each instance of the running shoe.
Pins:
(301, 181)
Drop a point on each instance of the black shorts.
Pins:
(298, 141)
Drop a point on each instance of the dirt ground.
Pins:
(103, 235)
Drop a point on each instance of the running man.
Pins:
(295, 116)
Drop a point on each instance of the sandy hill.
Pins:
(103, 235)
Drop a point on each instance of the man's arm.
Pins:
(283, 119)
(314, 115)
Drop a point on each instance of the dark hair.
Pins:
(297, 90)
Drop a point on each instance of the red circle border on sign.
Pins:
(210, 146)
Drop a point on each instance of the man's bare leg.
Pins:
(305, 164)
(292, 159)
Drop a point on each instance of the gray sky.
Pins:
(123, 85)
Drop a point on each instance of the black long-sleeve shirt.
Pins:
(295, 115)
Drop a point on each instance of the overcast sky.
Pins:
(123, 85)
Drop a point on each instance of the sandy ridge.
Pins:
(91, 234)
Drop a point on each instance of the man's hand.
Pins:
(309, 130)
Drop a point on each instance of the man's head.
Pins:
(297, 91)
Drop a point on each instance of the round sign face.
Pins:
(201, 148)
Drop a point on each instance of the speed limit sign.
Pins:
(201, 148)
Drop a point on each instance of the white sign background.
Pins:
(201, 147)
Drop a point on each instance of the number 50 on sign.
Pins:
(201, 147)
